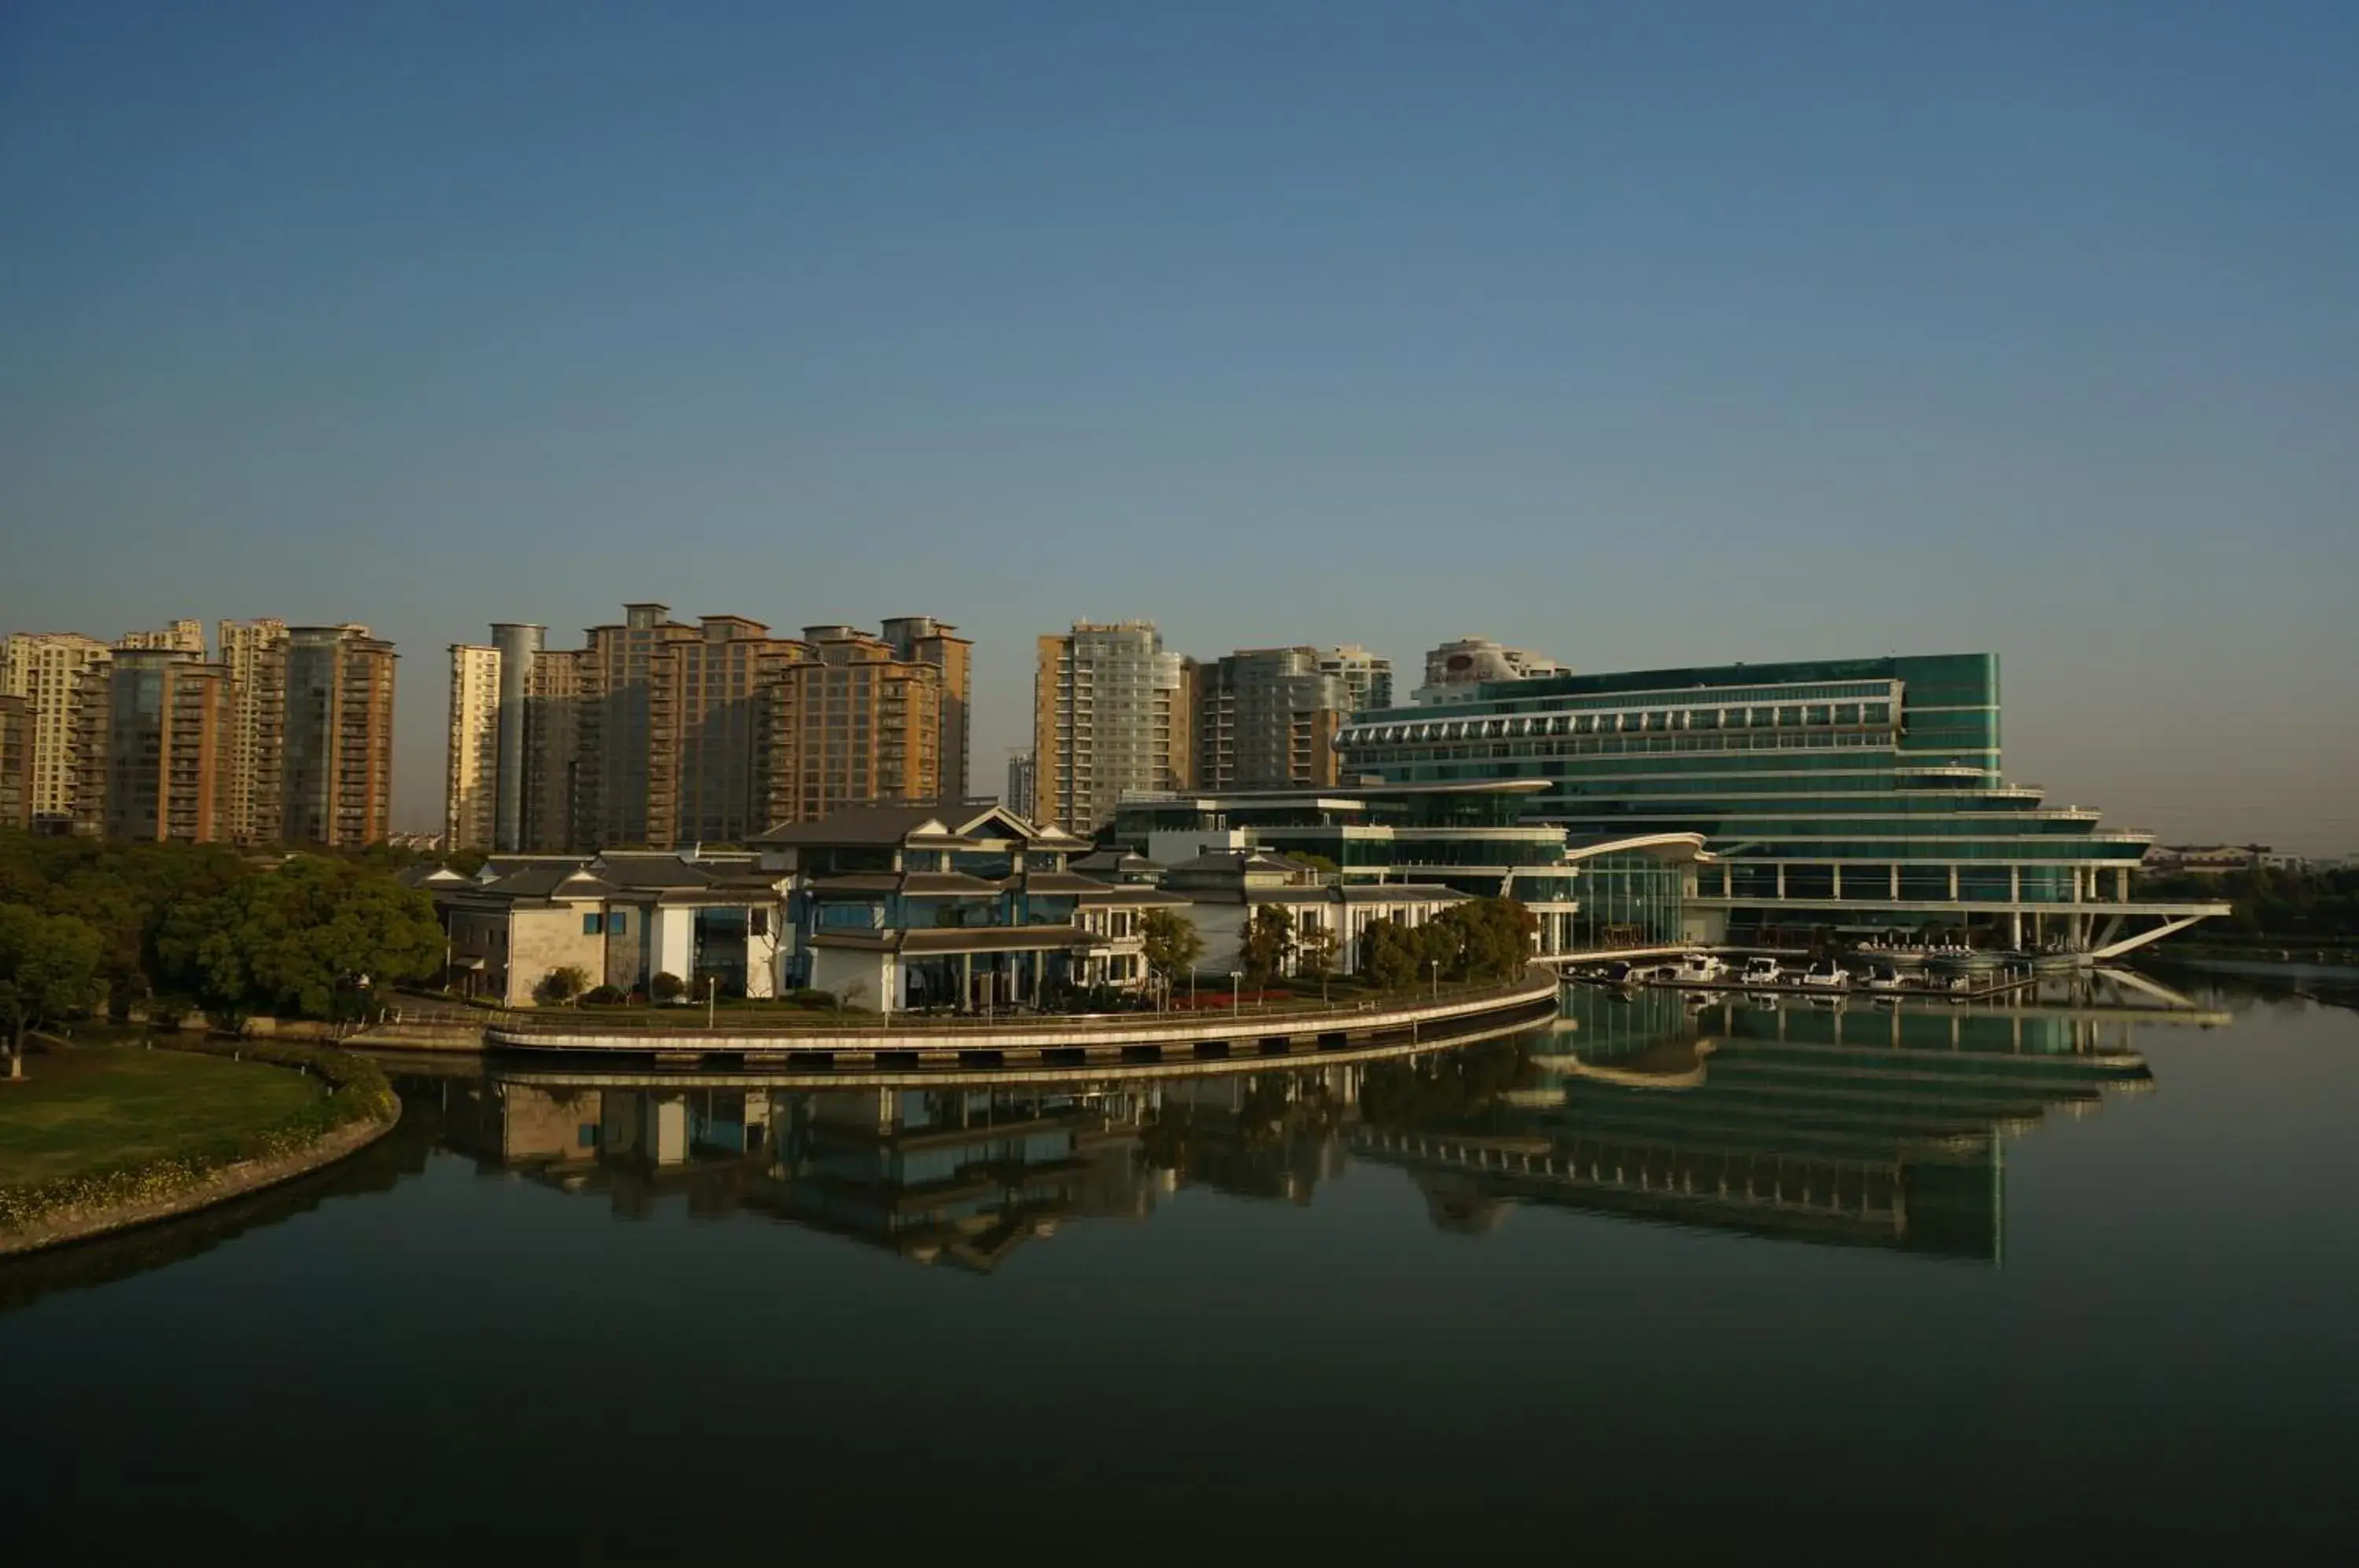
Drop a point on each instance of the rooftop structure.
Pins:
(1456, 669)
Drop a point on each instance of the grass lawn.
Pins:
(96, 1106)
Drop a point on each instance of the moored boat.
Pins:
(1825, 974)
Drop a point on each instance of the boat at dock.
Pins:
(1825, 974)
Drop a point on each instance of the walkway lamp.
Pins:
(1435, 964)
(1236, 998)
(710, 982)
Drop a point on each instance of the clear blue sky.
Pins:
(1641, 334)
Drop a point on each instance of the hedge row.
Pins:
(358, 1092)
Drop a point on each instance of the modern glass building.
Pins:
(1862, 796)
(1481, 839)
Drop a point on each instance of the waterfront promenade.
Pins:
(1014, 1041)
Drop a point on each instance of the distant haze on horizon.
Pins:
(1640, 336)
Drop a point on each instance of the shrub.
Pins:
(561, 985)
(603, 996)
(666, 987)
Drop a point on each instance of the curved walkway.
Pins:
(1027, 1042)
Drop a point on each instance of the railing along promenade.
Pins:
(788, 1028)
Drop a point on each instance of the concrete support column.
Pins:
(1837, 869)
(1953, 884)
(1896, 882)
(1781, 880)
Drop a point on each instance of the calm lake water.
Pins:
(1938, 1284)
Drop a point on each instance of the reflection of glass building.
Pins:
(1861, 794)
(1862, 1126)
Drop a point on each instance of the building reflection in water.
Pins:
(1863, 1124)
(1855, 1124)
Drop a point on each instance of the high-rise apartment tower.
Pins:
(1111, 713)
(152, 746)
(338, 747)
(1265, 719)
(46, 669)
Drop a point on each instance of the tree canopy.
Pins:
(1171, 942)
(49, 966)
(304, 940)
(1482, 938)
(1268, 943)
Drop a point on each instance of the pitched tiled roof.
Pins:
(653, 870)
(860, 825)
(549, 882)
(1062, 882)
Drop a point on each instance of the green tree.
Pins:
(1441, 947)
(1268, 943)
(666, 987)
(123, 891)
(299, 941)
(1314, 951)
(1390, 954)
(48, 965)
(562, 984)
(1495, 938)
(1171, 942)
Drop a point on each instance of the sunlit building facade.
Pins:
(1112, 712)
(152, 747)
(47, 669)
(338, 750)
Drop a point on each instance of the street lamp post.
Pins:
(710, 982)
(1435, 964)
(1236, 1000)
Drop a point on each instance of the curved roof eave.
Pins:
(1674, 847)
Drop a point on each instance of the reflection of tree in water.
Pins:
(1459, 1204)
(1268, 1135)
(1444, 1090)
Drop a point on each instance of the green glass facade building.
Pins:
(1864, 796)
